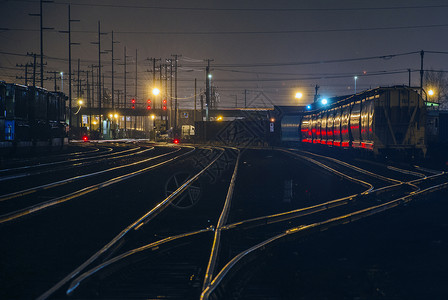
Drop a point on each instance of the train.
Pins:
(31, 117)
(381, 121)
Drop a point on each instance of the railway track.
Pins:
(23, 202)
(184, 249)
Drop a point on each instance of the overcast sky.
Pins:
(277, 47)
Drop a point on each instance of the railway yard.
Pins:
(134, 219)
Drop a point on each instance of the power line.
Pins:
(254, 32)
(314, 62)
(274, 9)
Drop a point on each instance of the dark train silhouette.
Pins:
(31, 116)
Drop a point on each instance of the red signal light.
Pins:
(148, 101)
(85, 138)
(148, 107)
(133, 101)
(164, 101)
(176, 141)
(164, 107)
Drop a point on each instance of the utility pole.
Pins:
(245, 98)
(171, 91)
(53, 77)
(42, 28)
(113, 72)
(34, 70)
(99, 76)
(125, 58)
(316, 95)
(136, 83)
(166, 96)
(422, 53)
(69, 66)
(176, 56)
(194, 111)
(409, 72)
(208, 78)
(26, 72)
(118, 98)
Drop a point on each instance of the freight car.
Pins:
(31, 116)
(381, 121)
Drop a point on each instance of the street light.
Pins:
(299, 95)
(62, 81)
(153, 117)
(431, 92)
(356, 78)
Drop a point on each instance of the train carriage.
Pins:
(381, 120)
(31, 116)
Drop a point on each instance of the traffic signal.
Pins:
(164, 104)
(133, 103)
(148, 107)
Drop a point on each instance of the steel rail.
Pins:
(69, 161)
(34, 208)
(152, 246)
(366, 184)
(384, 178)
(134, 226)
(222, 219)
(324, 225)
(76, 178)
(168, 200)
(406, 172)
(21, 175)
(95, 149)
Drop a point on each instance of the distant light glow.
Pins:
(219, 118)
(210, 76)
(430, 92)
(299, 95)
(153, 117)
(272, 120)
(324, 101)
(155, 91)
(80, 102)
(116, 116)
(308, 106)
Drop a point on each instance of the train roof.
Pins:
(339, 100)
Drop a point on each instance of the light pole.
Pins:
(153, 126)
(62, 81)
(356, 78)
(155, 92)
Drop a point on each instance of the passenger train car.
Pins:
(381, 120)
(31, 116)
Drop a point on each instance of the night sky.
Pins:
(277, 47)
